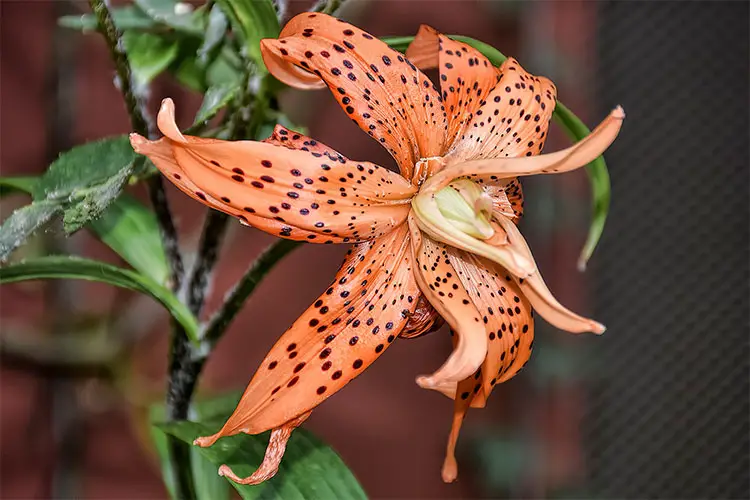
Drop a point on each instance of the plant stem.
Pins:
(179, 452)
(135, 104)
(214, 229)
(234, 301)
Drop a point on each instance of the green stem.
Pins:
(236, 298)
(179, 451)
(573, 127)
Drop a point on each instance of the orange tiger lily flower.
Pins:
(437, 241)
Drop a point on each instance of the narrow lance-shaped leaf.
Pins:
(10, 185)
(68, 267)
(573, 127)
(130, 229)
(23, 223)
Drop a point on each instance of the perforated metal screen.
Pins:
(669, 413)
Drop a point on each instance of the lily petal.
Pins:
(385, 94)
(466, 76)
(507, 197)
(507, 316)
(295, 194)
(336, 339)
(576, 156)
(272, 459)
(513, 119)
(542, 300)
(290, 139)
(439, 282)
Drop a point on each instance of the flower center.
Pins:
(467, 207)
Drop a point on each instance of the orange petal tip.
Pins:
(138, 142)
(449, 473)
(618, 113)
(599, 328)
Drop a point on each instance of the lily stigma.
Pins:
(435, 242)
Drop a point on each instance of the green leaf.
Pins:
(149, 54)
(131, 230)
(573, 127)
(22, 223)
(177, 15)
(598, 176)
(69, 267)
(215, 33)
(88, 204)
(87, 179)
(208, 484)
(215, 99)
(252, 20)
(125, 18)
(10, 185)
(310, 469)
(84, 166)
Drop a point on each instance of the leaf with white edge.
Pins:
(573, 127)
(89, 203)
(125, 18)
(252, 20)
(131, 230)
(310, 469)
(215, 33)
(149, 54)
(214, 100)
(22, 223)
(70, 267)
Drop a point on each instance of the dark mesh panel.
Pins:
(669, 412)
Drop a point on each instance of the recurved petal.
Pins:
(337, 338)
(439, 282)
(316, 195)
(578, 155)
(272, 459)
(466, 77)
(541, 299)
(506, 314)
(380, 90)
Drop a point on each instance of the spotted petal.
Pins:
(336, 339)
(506, 313)
(466, 77)
(576, 156)
(512, 121)
(535, 290)
(385, 94)
(439, 282)
(320, 197)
